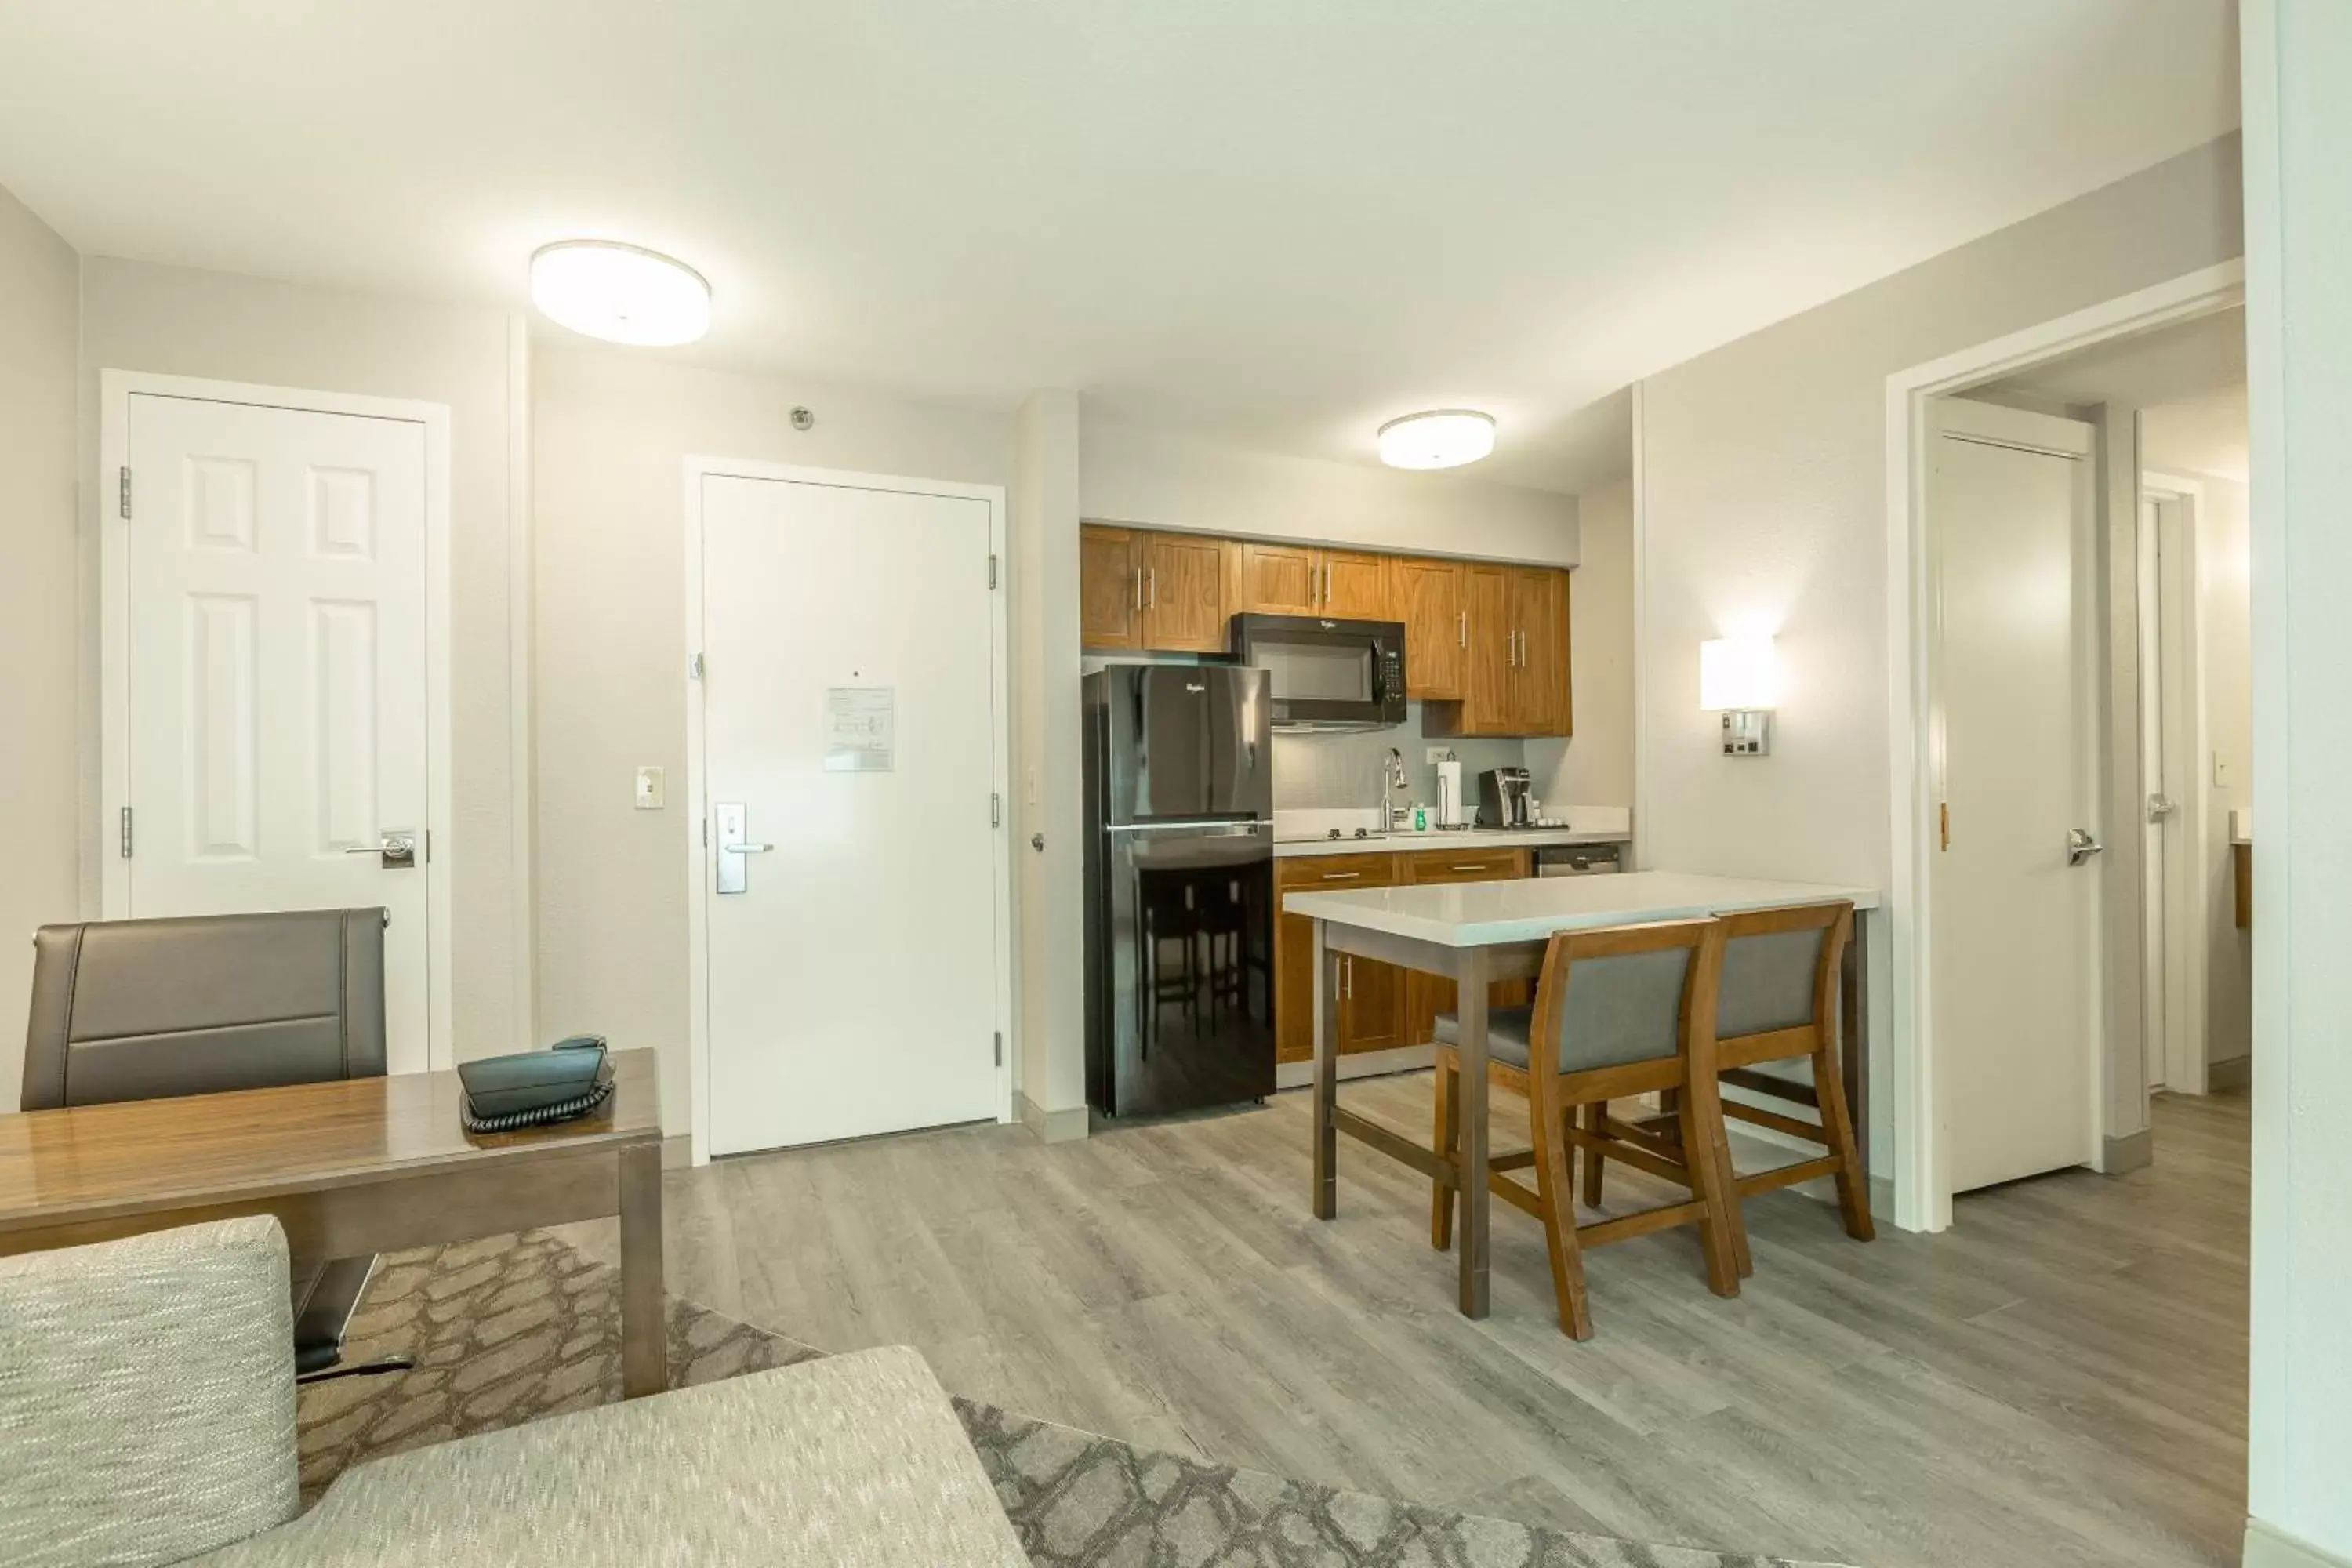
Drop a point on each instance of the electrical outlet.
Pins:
(649, 789)
(1438, 754)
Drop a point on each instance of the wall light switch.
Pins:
(1032, 794)
(2221, 771)
(649, 789)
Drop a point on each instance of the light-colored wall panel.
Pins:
(611, 430)
(176, 320)
(1595, 766)
(40, 318)
(1166, 481)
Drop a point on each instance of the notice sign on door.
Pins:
(860, 729)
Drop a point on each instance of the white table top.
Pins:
(1488, 914)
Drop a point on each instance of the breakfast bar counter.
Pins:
(1478, 932)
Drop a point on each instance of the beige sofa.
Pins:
(147, 1417)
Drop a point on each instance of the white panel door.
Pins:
(849, 728)
(2015, 925)
(276, 672)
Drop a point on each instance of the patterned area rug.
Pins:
(513, 1328)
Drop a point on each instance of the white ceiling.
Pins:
(1279, 224)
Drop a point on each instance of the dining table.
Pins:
(1476, 933)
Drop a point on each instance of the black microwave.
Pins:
(1325, 674)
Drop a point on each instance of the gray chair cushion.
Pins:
(146, 1396)
(856, 1461)
(1620, 1010)
(1767, 983)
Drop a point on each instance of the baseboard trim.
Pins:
(1062, 1126)
(2132, 1151)
(1881, 1198)
(2235, 1072)
(1357, 1064)
(2268, 1546)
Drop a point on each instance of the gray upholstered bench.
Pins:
(147, 1411)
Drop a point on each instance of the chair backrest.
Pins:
(140, 1009)
(1625, 994)
(1779, 977)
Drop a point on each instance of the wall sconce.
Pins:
(1739, 678)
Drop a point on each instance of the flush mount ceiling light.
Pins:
(1442, 438)
(620, 293)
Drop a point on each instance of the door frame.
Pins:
(116, 389)
(698, 855)
(2180, 641)
(1922, 1168)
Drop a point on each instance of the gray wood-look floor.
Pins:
(2059, 1379)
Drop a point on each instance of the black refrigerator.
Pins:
(1179, 886)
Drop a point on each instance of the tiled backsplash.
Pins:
(1343, 771)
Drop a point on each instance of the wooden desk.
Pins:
(352, 1168)
(1478, 932)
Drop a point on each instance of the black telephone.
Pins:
(534, 1088)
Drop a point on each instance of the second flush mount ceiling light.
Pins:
(621, 293)
(1442, 438)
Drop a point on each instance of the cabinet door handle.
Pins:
(1348, 977)
(1461, 628)
(1341, 876)
(1474, 866)
(1139, 587)
(1155, 587)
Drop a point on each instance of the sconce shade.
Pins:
(1738, 673)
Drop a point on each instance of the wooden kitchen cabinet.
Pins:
(1279, 579)
(1302, 580)
(1427, 995)
(1110, 589)
(1426, 595)
(1516, 668)
(1372, 1000)
(1356, 586)
(1154, 593)
(1486, 644)
(1183, 593)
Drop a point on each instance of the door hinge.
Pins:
(995, 809)
(1944, 823)
(992, 571)
(1000, 1047)
(124, 505)
(694, 666)
(126, 833)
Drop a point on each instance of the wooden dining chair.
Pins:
(1623, 1011)
(1778, 1001)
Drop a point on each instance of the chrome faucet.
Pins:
(1391, 780)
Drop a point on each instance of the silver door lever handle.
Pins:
(2081, 847)
(746, 848)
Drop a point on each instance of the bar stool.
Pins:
(1778, 1001)
(1623, 1011)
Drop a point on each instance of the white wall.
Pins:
(181, 322)
(2225, 633)
(1162, 481)
(611, 431)
(1595, 766)
(1763, 509)
(2297, 56)
(40, 299)
(1048, 770)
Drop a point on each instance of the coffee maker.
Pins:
(1502, 798)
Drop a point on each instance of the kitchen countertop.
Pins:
(1472, 840)
(1483, 914)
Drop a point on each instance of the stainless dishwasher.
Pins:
(1579, 859)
